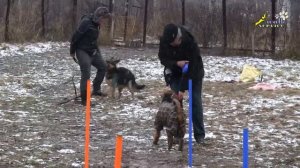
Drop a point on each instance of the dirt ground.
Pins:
(37, 132)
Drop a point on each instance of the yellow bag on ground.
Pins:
(249, 73)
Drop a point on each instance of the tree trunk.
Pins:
(43, 18)
(183, 11)
(126, 18)
(6, 31)
(224, 24)
(111, 20)
(253, 41)
(145, 23)
(273, 28)
(74, 14)
(294, 41)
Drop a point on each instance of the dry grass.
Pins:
(279, 73)
(2, 31)
(205, 24)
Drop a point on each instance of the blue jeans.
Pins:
(198, 123)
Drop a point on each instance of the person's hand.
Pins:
(74, 57)
(182, 63)
(180, 95)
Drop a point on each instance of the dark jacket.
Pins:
(188, 50)
(86, 35)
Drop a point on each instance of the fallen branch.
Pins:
(74, 98)
(74, 85)
(51, 87)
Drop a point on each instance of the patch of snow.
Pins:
(144, 70)
(40, 161)
(134, 138)
(67, 151)
(29, 166)
(76, 165)
(275, 72)
(137, 111)
(47, 145)
(32, 48)
(210, 135)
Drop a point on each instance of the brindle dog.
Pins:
(171, 116)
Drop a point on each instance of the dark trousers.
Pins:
(198, 123)
(85, 61)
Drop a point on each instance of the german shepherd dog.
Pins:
(171, 116)
(119, 77)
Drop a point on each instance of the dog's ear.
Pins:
(110, 64)
(116, 61)
(166, 96)
(163, 95)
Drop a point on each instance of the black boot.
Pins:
(99, 93)
(200, 140)
(83, 102)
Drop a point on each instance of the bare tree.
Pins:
(43, 17)
(145, 22)
(294, 40)
(224, 24)
(6, 32)
(74, 14)
(126, 19)
(273, 28)
(183, 11)
(111, 20)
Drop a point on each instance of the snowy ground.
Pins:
(37, 132)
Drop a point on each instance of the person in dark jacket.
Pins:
(85, 51)
(178, 47)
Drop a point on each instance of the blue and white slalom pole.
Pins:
(190, 157)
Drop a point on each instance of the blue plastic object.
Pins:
(245, 148)
(185, 68)
(190, 160)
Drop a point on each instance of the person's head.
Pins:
(100, 14)
(172, 35)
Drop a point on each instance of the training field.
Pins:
(35, 131)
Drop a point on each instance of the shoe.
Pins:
(200, 141)
(176, 141)
(84, 103)
(98, 93)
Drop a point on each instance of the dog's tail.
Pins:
(137, 86)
